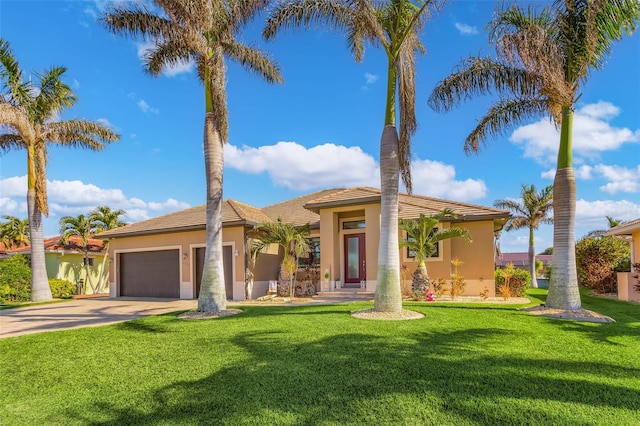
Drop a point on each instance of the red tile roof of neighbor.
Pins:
(521, 259)
(302, 210)
(53, 244)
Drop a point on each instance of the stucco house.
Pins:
(67, 262)
(627, 281)
(163, 256)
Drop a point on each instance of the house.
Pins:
(67, 262)
(628, 281)
(163, 256)
(521, 260)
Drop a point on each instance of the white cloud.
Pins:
(592, 134)
(7, 205)
(618, 179)
(369, 80)
(592, 214)
(296, 167)
(437, 179)
(106, 123)
(466, 29)
(74, 197)
(145, 107)
(176, 69)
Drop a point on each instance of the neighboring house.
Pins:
(66, 262)
(629, 231)
(521, 259)
(163, 257)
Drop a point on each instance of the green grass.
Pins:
(462, 364)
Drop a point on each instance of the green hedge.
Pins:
(519, 280)
(62, 289)
(15, 279)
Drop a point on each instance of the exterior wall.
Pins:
(70, 267)
(627, 281)
(186, 243)
(477, 256)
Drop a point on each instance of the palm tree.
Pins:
(422, 240)
(534, 208)
(204, 31)
(544, 56)
(294, 241)
(30, 118)
(395, 25)
(102, 218)
(14, 232)
(80, 227)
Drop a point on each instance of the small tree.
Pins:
(294, 241)
(14, 232)
(597, 260)
(422, 240)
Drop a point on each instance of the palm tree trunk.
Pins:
(388, 296)
(40, 290)
(532, 260)
(212, 297)
(563, 285)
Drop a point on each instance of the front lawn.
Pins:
(460, 365)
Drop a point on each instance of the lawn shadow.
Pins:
(355, 378)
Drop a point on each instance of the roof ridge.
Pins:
(459, 203)
(290, 200)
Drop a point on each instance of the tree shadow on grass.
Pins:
(422, 377)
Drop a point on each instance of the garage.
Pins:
(150, 274)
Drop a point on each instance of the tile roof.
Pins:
(626, 228)
(300, 211)
(73, 246)
(294, 211)
(194, 218)
(521, 259)
(411, 205)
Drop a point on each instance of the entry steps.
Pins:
(355, 294)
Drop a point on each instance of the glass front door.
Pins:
(354, 259)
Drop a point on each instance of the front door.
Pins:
(354, 259)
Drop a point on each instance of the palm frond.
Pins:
(15, 91)
(167, 53)
(137, 21)
(80, 134)
(243, 12)
(292, 14)
(482, 76)
(254, 60)
(53, 95)
(502, 116)
(16, 118)
(407, 101)
(9, 142)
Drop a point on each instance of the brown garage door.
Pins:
(228, 270)
(150, 274)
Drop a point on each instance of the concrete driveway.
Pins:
(84, 313)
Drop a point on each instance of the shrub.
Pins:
(457, 285)
(438, 287)
(15, 279)
(62, 289)
(512, 282)
(597, 260)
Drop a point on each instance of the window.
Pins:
(353, 224)
(88, 261)
(411, 254)
(312, 258)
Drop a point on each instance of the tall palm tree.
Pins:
(294, 241)
(30, 118)
(395, 25)
(80, 227)
(423, 238)
(14, 232)
(544, 56)
(534, 208)
(204, 31)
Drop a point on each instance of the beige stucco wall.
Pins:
(186, 243)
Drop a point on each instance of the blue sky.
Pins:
(319, 129)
